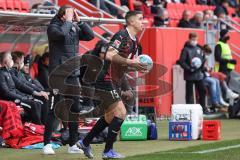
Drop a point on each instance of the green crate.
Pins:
(134, 128)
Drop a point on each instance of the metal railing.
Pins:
(229, 24)
(46, 8)
(48, 17)
(232, 21)
(236, 47)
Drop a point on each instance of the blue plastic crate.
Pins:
(180, 131)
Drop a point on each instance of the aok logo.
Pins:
(133, 131)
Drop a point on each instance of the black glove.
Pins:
(233, 61)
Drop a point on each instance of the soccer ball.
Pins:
(146, 60)
(196, 62)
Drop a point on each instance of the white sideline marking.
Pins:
(203, 151)
(217, 149)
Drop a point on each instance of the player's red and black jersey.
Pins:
(127, 47)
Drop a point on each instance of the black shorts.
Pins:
(107, 93)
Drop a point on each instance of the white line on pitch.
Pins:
(203, 151)
(217, 149)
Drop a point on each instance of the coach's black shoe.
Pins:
(86, 110)
(87, 105)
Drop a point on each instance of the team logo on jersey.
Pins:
(198, 51)
(116, 43)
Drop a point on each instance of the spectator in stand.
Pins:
(101, 3)
(35, 8)
(185, 21)
(191, 60)
(156, 5)
(223, 16)
(144, 6)
(105, 6)
(208, 13)
(206, 2)
(221, 8)
(161, 19)
(197, 20)
(43, 70)
(209, 19)
(122, 14)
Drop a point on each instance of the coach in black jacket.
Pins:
(64, 36)
(64, 32)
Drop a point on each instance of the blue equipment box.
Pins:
(180, 131)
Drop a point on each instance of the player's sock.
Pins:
(98, 127)
(113, 129)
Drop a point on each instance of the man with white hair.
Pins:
(196, 21)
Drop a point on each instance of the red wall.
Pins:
(164, 46)
(235, 39)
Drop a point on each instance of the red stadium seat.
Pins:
(3, 5)
(174, 23)
(236, 19)
(34, 70)
(171, 6)
(9, 4)
(17, 5)
(25, 6)
(173, 14)
(230, 11)
(179, 14)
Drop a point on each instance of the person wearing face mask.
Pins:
(223, 56)
(192, 62)
(13, 90)
(161, 19)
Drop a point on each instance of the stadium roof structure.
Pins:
(36, 19)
